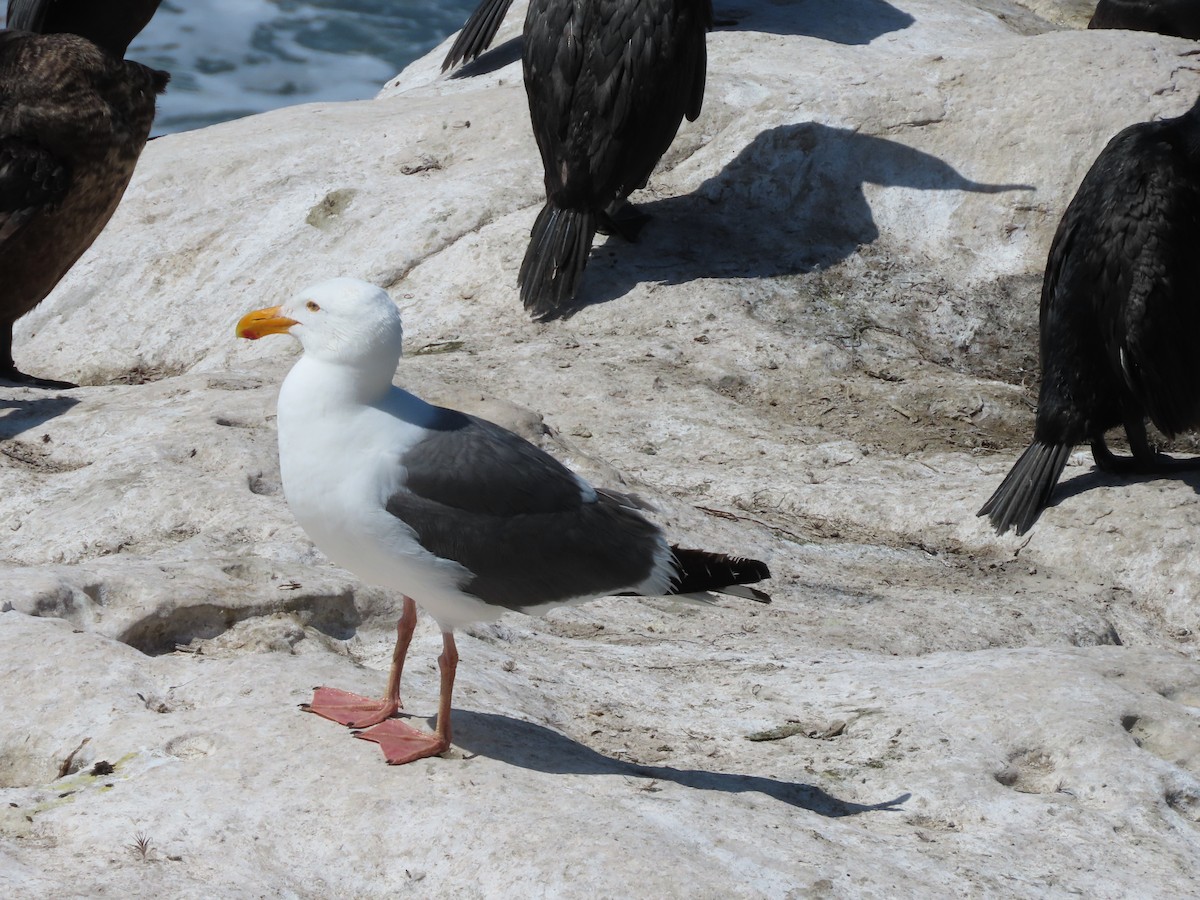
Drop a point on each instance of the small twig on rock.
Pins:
(65, 769)
(141, 846)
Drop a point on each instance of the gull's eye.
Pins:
(313, 306)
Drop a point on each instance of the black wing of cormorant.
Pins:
(1149, 294)
(477, 32)
(648, 60)
(551, 76)
(620, 63)
(111, 25)
(27, 15)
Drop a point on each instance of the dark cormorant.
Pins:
(477, 33)
(1180, 18)
(1120, 315)
(74, 116)
(609, 82)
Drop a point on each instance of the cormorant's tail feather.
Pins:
(559, 245)
(477, 33)
(700, 570)
(1026, 489)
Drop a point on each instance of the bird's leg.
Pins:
(623, 219)
(362, 712)
(10, 373)
(1145, 459)
(1107, 461)
(399, 741)
(1144, 456)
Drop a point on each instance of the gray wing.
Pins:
(518, 519)
(476, 466)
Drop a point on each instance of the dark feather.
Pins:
(1027, 488)
(73, 121)
(528, 530)
(608, 83)
(30, 179)
(477, 33)
(1120, 311)
(1180, 18)
(700, 570)
(109, 24)
(475, 466)
(522, 560)
(553, 265)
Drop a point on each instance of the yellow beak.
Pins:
(262, 322)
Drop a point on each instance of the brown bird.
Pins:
(74, 117)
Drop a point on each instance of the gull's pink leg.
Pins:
(360, 712)
(399, 741)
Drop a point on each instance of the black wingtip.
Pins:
(700, 570)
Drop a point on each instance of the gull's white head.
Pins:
(342, 320)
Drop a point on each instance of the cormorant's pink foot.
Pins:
(350, 709)
(401, 743)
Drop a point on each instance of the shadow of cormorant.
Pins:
(837, 21)
(534, 747)
(17, 416)
(1097, 477)
(792, 201)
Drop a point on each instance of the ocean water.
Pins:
(233, 58)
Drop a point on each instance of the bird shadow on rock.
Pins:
(792, 201)
(1097, 477)
(837, 21)
(535, 747)
(18, 416)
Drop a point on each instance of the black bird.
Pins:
(74, 117)
(477, 33)
(1180, 18)
(609, 82)
(1120, 315)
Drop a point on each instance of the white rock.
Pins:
(821, 353)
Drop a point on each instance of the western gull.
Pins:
(74, 117)
(477, 33)
(464, 517)
(1180, 18)
(608, 83)
(1120, 319)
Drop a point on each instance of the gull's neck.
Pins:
(338, 385)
